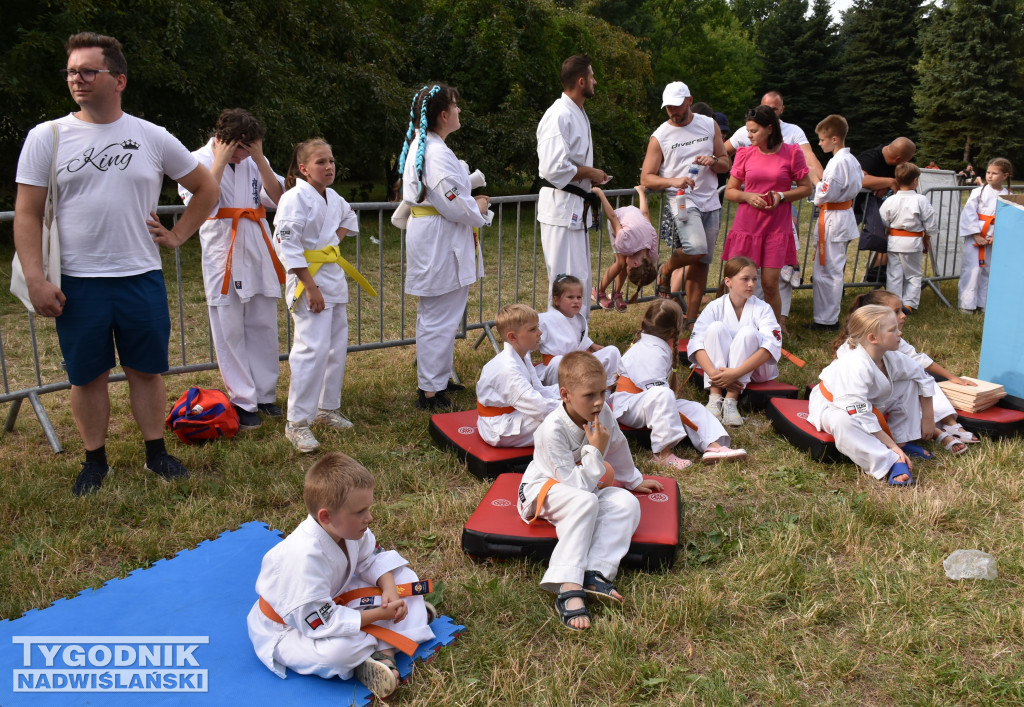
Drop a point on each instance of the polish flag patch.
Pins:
(778, 334)
(451, 194)
(824, 187)
(314, 621)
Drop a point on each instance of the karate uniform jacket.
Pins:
(563, 143)
(252, 270)
(841, 181)
(756, 313)
(982, 200)
(507, 380)
(561, 452)
(648, 363)
(909, 211)
(561, 335)
(441, 253)
(299, 578)
(306, 221)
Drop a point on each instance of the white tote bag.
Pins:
(51, 241)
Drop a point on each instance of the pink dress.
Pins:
(765, 236)
(636, 237)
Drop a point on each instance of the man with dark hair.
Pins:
(110, 168)
(565, 149)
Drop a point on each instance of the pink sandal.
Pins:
(619, 302)
(672, 462)
(602, 299)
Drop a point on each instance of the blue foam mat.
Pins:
(202, 593)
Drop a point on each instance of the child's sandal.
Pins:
(602, 299)
(951, 444)
(567, 615)
(597, 586)
(618, 302)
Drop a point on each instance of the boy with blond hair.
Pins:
(510, 399)
(911, 221)
(579, 452)
(837, 226)
(318, 611)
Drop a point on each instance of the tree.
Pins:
(877, 70)
(970, 89)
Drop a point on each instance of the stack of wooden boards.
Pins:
(974, 398)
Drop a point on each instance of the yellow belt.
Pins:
(330, 254)
(421, 211)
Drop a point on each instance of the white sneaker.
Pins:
(730, 413)
(721, 453)
(714, 405)
(301, 438)
(333, 419)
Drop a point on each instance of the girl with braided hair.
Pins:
(442, 251)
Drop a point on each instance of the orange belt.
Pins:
(492, 411)
(256, 215)
(878, 413)
(540, 499)
(829, 206)
(986, 221)
(625, 385)
(906, 234)
(546, 358)
(406, 645)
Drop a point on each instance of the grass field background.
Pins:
(796, 582)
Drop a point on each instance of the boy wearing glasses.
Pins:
(110, 168)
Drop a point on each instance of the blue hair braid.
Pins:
(410, 132)
(422, 146)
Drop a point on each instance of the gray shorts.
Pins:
(698, 238)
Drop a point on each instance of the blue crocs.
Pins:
(917, 451)
(898, 469)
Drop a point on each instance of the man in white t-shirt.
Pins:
(110, 168)
(684, 140)
(565, 150)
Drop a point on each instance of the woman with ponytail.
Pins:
(442, 251)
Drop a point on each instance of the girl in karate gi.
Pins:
(645, 394)
(977, 226)
(635, 245)
(735, 340)
(442, 247)
(565, 330)
(952, 435)
(310, 223)
(857, 389)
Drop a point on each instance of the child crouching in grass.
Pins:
(579, 451)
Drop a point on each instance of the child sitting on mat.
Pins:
(855, 402)
(735, 340)
(510, 399)
(645, 395)
(564, 329)
(313, 584)
(580, 451)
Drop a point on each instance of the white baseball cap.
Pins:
(675, 94)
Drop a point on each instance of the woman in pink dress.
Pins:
(761, 182)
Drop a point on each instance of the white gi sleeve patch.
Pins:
(284, 233)
(317, 618)
(857, 408)
(451, 194)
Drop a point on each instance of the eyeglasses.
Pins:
(86, 75)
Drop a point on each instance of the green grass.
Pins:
(796, 582)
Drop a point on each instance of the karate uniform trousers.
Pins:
(841, 181)
(594, 526)
(729, 342)
(648, 363)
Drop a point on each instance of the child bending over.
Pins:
(635, 244)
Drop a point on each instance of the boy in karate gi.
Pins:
(837, 226)
(510, 399)
(306, 618)
(580, 451)
(912, 222)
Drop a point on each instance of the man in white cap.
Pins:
(684, 142)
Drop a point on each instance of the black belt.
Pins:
(590, 199)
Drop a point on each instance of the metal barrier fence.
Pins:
(30, 360)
